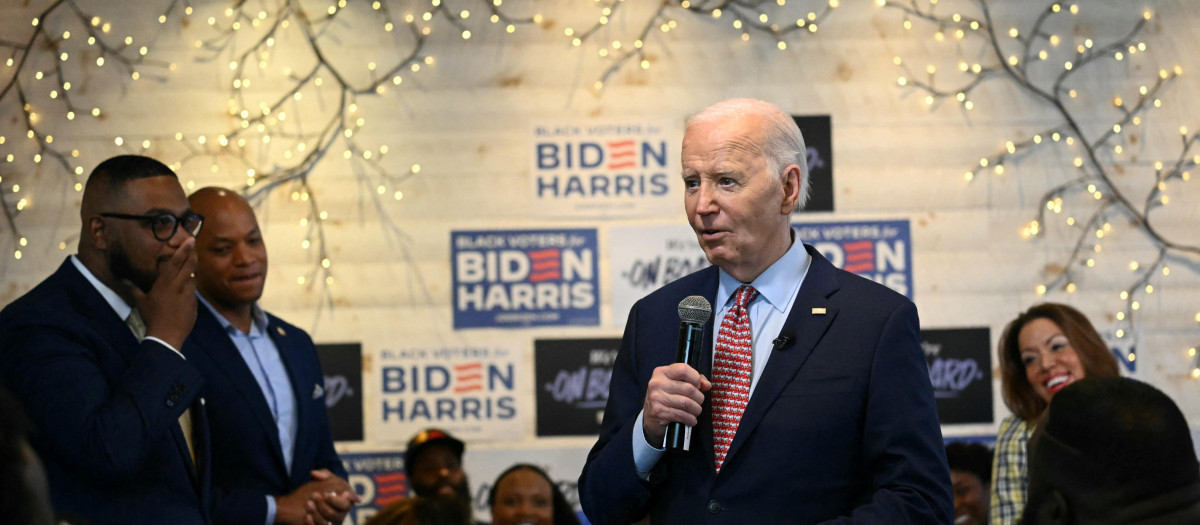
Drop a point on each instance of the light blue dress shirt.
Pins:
(777, 288)
(263, 359)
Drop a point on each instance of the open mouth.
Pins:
(1056, 383)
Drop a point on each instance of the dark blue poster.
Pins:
(342, 366)
(522, 278)
(817, 131)
(572, 384)
(960, 368)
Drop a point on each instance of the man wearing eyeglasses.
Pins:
(272, 444)
(93, 354)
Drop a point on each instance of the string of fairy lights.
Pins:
(774, 19)
(38, 79)
(1028, 58)
(268, 127)
(294, 113)
(287, 122)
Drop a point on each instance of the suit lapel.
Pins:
(283, 339)
(98, 312)
(702, 432)
(219, 349)
(806, 328)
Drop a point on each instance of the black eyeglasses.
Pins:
(165, 225)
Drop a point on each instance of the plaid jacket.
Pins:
(1010, 472)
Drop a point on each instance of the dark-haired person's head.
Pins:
(433, 463)
(1113, 450)
(1043, 350)
(134, 216)
(970, 475)
(525, 494)
(25, 498)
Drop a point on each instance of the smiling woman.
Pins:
(1042, 351)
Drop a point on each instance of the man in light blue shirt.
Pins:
(273, 455)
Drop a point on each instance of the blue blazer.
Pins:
(841, 427)
(247, 459)
(106, 407)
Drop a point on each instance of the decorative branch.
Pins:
(1027, 68)
(263, 128)
(37, 89)
(748, 16)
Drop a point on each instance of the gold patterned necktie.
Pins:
(731, 371)
(138, 326)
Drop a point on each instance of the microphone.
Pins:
(779, 342)
(694, 311)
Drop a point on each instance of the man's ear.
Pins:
(97, 233)
(790, 178)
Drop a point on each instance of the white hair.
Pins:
(782, 146)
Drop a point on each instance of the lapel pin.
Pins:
(318, 391)
(818, 311)
(280, 330)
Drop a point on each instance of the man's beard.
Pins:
(461, 491)
(122, 269)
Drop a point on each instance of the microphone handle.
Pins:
(691, 338)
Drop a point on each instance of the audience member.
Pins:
(433, 466)
(1042, 351)
(525, 495)
(1113, 451)
(25, 498)
(271, 441)
(92, 353)
(970, 474)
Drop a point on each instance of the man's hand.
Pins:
(293, 509)
(675, 394)
(169, 308)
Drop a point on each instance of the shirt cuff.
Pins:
(645, 455)
(270, 510)
(164, 343)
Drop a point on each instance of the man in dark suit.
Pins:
(818, 385)
(92, 354)
(273, 455)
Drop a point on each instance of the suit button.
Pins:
(714, 506)
(170, 403)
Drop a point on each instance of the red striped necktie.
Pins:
(731, 372)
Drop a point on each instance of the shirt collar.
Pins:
(259, 324)
(115, 301)
(777, 283)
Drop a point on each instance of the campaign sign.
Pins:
(627, 167)
(342, 366)
(572, 384)
(643, 258)
(379, 478)
(470, 392)
(960, 368)
(878, 250)
(523, 278)
(818, 140)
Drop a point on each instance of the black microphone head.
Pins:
(694, 309)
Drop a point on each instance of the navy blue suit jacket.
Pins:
(248, 462)
(106, 407)
(841, 426)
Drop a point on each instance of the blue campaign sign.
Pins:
(878, 250)
(379, 478)
(522, 278)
